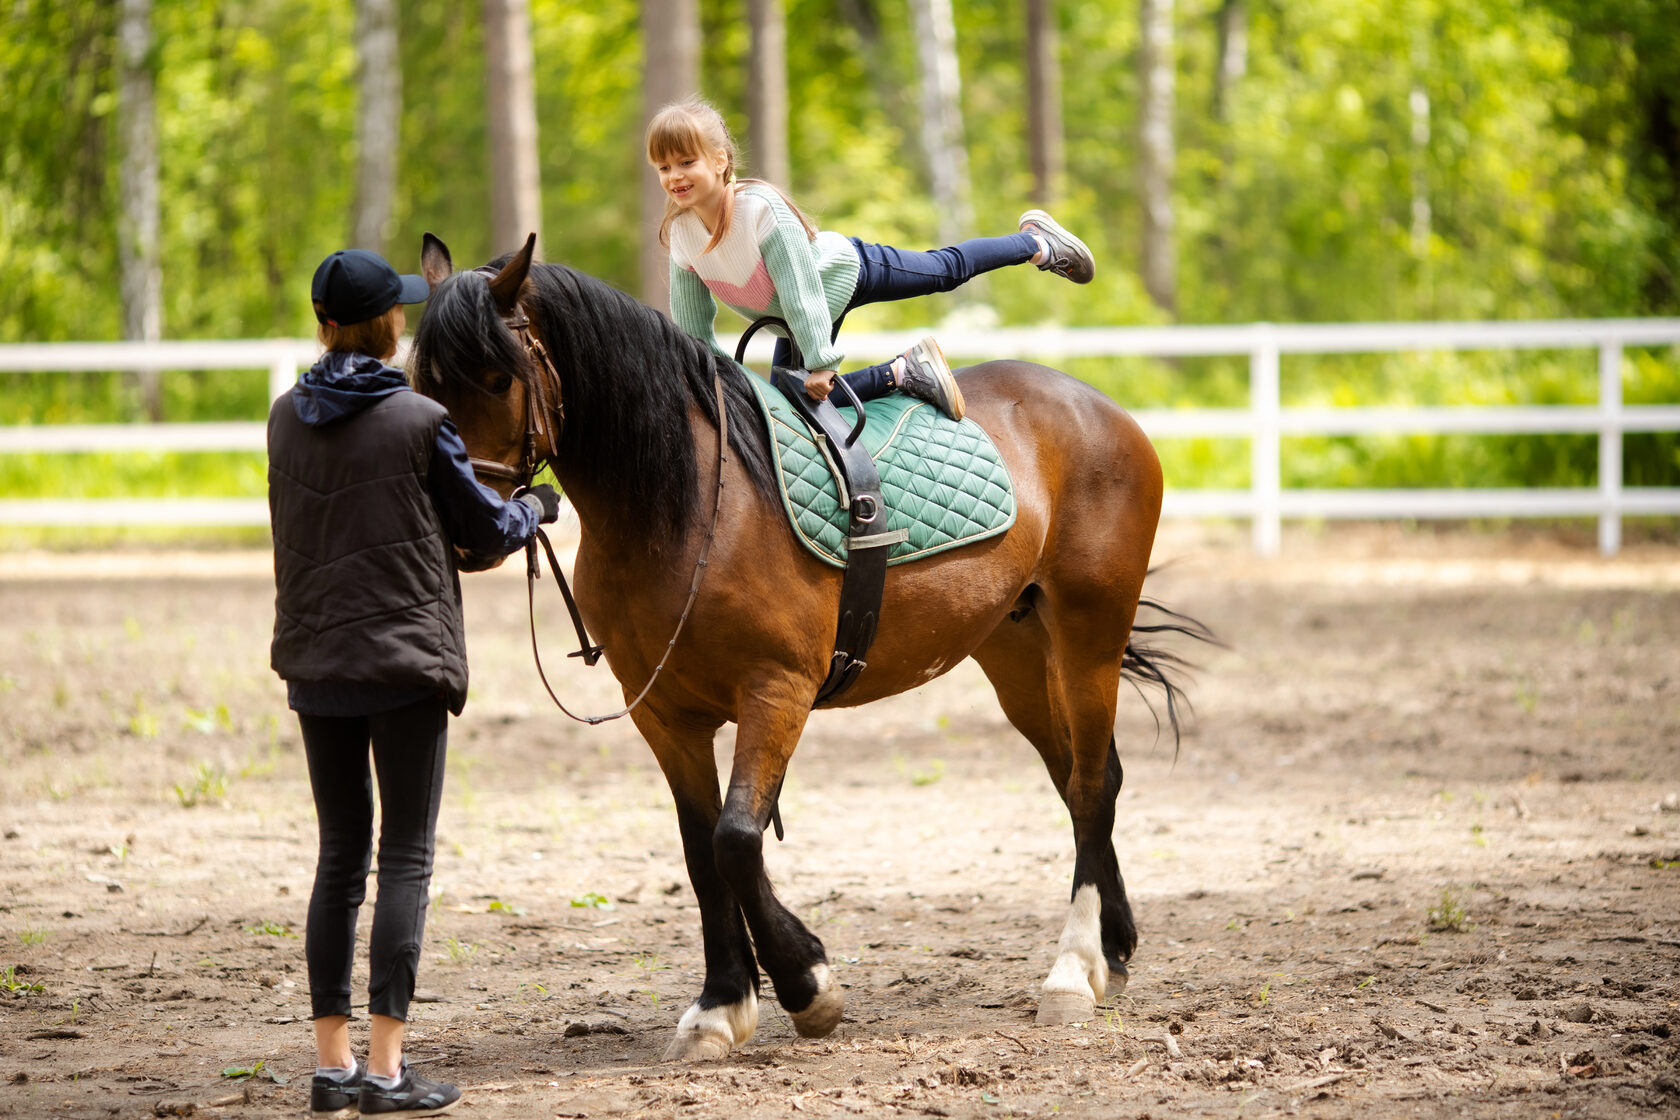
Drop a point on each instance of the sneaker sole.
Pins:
(1045, 221)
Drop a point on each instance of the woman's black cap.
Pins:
(354, 285)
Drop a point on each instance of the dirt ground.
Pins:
(1418, 854)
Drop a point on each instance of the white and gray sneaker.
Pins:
(927, 377)
(1067, 255)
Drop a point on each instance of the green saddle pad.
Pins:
(942, 480)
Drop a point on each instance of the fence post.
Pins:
(1610, 446)
(1265, 445)
(282, 375)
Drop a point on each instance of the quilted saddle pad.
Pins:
(942, 481)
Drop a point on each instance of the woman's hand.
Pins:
(819, 383)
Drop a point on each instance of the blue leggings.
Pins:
(885, 273)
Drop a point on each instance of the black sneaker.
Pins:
(413, 1095)
(927, 376)
(1067, 255)
(327, 1095)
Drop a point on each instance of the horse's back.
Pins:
(1070, 449)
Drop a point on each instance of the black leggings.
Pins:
(408, 755)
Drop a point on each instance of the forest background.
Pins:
(1227, 160)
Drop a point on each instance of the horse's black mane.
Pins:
(628, 378)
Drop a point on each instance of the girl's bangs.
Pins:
(673, 135)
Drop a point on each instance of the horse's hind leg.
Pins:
(1060, 690)
(726, 1013)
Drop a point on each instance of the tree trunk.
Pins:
(1233, 54)
(378, 123)
(142, 275)
(767, 92)
(1155, 61)
(511, 99)
(942, 127)
(1044, 101)
(670, 72)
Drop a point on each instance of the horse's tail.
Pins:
(1146, 665)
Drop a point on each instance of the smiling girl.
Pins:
(743, 242)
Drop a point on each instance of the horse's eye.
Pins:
(501, 383)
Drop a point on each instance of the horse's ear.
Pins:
(435, 262)
(504, 289)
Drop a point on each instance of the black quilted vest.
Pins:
(365, 584)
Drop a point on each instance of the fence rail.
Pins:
(1264, 423)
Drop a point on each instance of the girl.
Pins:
(369, 489)
(744, 242)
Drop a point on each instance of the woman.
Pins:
(369, 491)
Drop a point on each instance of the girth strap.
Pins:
(868, 541)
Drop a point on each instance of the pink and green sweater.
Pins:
(766, 265)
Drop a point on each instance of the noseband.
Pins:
(542, 382)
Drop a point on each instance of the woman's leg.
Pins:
(409, 746)
(337, 752)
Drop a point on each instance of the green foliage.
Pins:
(593, 901)
(1541, 181)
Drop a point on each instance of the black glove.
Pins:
(544, 500)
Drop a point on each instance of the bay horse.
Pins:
(539, 362)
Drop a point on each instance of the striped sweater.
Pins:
(766, 265)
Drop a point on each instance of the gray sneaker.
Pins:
(1068, 255)
(927, 377)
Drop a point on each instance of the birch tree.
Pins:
(1157, 154)
(670, 71)
(942, 127)
(378, 123)
(767, 92)
(511, 100)
(137, 228)
(1233, 54)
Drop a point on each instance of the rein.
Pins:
(546, 381)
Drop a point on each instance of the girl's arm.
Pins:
(792, 265)
(692, 306)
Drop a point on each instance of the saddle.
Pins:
(865, 489)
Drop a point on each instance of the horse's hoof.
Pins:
(709, 1033)
(695, 1048)
(1117, 978)
(1056, 1008)
(823, 1015)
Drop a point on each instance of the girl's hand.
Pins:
(819, 383)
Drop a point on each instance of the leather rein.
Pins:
(540, 388)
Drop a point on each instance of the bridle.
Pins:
(538, 389)
(543, 384)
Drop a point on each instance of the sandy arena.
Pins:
(1418, 854)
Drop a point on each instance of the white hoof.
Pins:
(1056, 1008)
(711, 1033)
(1080, 976)
(824, 1013)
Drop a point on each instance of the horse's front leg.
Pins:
(771, 720)
(726, 1014)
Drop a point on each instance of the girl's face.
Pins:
(695, 181)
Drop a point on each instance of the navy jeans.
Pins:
(408, 754)
(885, 273)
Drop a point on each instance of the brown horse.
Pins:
(539, 362)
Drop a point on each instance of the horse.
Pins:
(538, 363)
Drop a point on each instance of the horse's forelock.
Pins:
(461, 336)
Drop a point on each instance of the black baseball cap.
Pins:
(354, 285)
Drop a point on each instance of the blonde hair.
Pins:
(693, 128)
(375, 337)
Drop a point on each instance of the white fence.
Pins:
(1264, 423)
